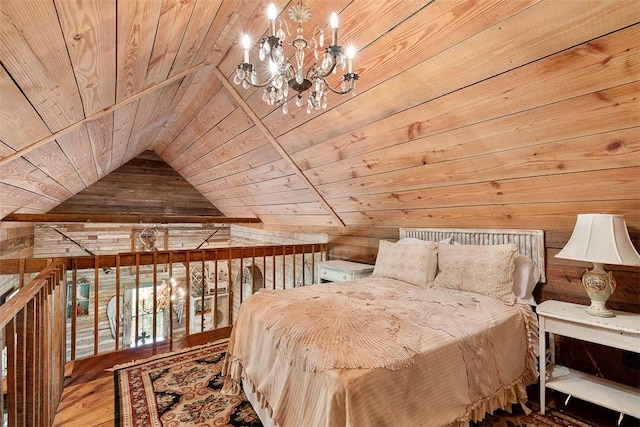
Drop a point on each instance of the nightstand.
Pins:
(571, 320)
(337, 270)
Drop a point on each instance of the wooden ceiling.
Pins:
(501, 111)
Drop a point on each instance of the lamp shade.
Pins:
(600, 238)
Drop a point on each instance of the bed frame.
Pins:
(529, 242)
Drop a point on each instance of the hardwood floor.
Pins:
(88, 397)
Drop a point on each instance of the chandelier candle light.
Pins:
(600, 239)
(167, 297)
(283, 75)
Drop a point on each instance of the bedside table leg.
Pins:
(542, 363)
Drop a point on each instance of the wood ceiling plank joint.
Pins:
(274, 142)
(78, 124)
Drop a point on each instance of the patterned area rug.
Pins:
(179, 389)
(551, 418)
(183, 389)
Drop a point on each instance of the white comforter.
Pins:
(380, 352)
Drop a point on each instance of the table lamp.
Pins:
(600, 239)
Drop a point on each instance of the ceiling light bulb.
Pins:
(246, 41)
(272, 12)
(334, 20)
(273, 67)
(334, 32)
(351, 52)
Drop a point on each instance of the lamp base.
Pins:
(599, 286)
(599, 309)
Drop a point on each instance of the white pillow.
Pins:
(414, 263)
(486, 270)
(525, 278)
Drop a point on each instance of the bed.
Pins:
(438, 335)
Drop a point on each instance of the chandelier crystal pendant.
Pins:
(284, 75)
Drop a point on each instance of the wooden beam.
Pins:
(128, 218)
(272, 139)
(97, 115)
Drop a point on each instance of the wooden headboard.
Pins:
(529, 242)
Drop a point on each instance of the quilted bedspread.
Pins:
(381, 352)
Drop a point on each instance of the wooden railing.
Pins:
(32, 325)
(65, 312)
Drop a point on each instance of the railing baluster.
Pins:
(118, 308)
(58, 338)
(241, 275)
(273, 268)
(284, 268)
(72, 308)
(253, 267)
(40, 336)
(264, 266)
(215, 291)
(135, 337)
(294, 267)
(11, 333)
(96, 294)
(170, 301)
(30, 366)
(187, 275)
(202, 293)
(313, 264)
(154, 311)
(3, 378)
(230, 292)
(21, 273)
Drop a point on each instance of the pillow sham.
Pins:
(483, 269)
(526, 276)
(414, 263)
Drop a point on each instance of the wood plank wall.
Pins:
(16, 241)
(113, 238)
(143, 185)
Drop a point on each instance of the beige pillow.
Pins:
(486, 270)
(414, 263)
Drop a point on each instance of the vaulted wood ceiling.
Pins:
(491, 109)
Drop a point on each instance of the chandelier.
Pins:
(166, 296)
(284, 76)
